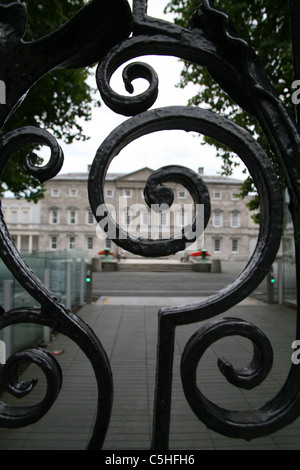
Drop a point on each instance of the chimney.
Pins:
(201, 170)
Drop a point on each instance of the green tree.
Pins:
(265, 25)
(56, 103)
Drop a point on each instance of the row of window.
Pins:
(73, 192)
(15, 216)
(72, 216)
(217, 195)
(128, 217)
(235, 245)
(235, 219)
(217, 248)
(182, 218)
(71, 243)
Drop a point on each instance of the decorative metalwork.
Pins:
(102, 32)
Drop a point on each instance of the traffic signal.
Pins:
(88, 277)
(272, 279)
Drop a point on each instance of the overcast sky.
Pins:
(157, 149)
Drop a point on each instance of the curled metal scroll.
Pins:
(14, 417)
(52, 313)
(81, 41)
(204, 122)
(249, 424)
(211, 41)
(156, 193)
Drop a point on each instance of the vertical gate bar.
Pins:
(163, 386)
(295, 31)
(7, 305)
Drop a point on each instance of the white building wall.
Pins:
(62, 220)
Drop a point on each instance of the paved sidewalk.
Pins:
(127, 329)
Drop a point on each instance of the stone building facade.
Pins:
(63, 221)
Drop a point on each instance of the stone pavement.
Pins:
(127, 328)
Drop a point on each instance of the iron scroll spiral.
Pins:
(52, 313)
(203, 122)
(211, 42)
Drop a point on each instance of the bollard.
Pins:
(270, 286)
(89, 284)
(216, 266)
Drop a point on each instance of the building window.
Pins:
(109, 193)
(217, 195)
(90, 243)
(73, 192)
(217, 245)
(181, 218)
(54, 216)
(127, 193)
(53, 243)
(72, 216)
(14, 217)
(217, 219)
(25, 217)
(128, 217)
(145, 218)
(181, 194)
(235, 219)
(164, 219)
(89, 217)
(108, 243)
(55, 192)
(234, 196)
(71, 243)
(235, 245)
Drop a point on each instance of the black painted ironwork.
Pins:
(107, 31)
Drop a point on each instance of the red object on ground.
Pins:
(58, 352)
(200, 253)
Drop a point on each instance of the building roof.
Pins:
(213, 179)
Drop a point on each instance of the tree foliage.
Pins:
(57, 103)
(265, 25)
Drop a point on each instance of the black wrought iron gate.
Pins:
(107, 31)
